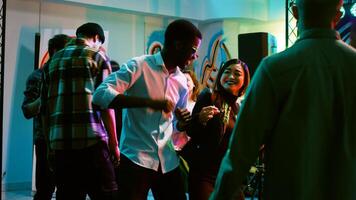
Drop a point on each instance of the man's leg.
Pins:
(69, 175)
(134, 181)
(169, 186)
(44, 174)
(201, 185)
(100, 173)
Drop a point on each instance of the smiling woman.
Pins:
(214, 117)
(233, 77)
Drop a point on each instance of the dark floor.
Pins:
(27, 195)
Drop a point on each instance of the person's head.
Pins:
(115, 66)
(57, 43)
(317, 13)
(181, 42)
(233, 77)
(193, 84)
(92, 32)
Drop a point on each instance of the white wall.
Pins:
(21, 25)
(195, 9)
(251, 9)
(173, 8)
(128, 33)
(127, 39)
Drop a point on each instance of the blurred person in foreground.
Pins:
(301, 105)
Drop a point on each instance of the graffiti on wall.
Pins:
(206, 71)
(348, 20)
(155, 42)
(217, 54)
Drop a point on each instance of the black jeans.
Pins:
(85, 171)
(201, 184)
(135, 182)
(44, 178)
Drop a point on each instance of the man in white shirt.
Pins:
(149, 88)
(301, 105)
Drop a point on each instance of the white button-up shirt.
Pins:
(146, 133)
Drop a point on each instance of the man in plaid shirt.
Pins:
(81, 135)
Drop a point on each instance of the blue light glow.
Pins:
(353, 10)
(342, 10)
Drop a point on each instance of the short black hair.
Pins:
(91, 29)
(115, 66)
(318, 10)
(57, 43)
(181, 30)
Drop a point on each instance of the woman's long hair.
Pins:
(196, 89)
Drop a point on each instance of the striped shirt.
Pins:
(69, 83)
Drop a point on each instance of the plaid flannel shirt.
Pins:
(69, 83)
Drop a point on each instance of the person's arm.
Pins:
(111, 92)
(123, 101)
(256, 119)
(196, 127)
(181, 117)
(45, 114)
(108, 117)
(32, 103)
(31, 109)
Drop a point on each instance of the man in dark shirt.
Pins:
(31, 106)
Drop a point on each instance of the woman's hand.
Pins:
(184, 117)
(207, 113)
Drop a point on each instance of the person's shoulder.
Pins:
(346, 49)
(138, 59)
(280, 56)
(152, 60)
(134, 63)
(205, 93)
(207, 90)
(36, 74)
(281, 62)
(103, 55)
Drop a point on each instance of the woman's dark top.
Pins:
(210, 142)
